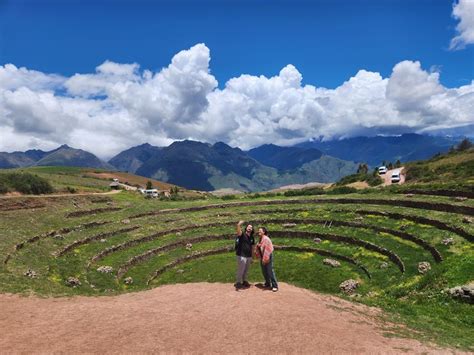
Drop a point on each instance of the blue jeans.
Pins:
(269, 273)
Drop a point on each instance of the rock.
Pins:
(447, 241)
(73, 282)
(317, 240)
(359, 218)
(126, 221)
(180, 271)
(467, 220)
(178, 234)
(189, 246)
(424, 267)
(331, 262)
(58, 236)
(105, 269)
(463, 293)
(103, 240)
(128, 281)
(403, 227)
(383, 265)
(349, 286)
(289, 225)
(460, 198)
(30, 273)
(409, 195)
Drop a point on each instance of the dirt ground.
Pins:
(197, 318)
(387, 177)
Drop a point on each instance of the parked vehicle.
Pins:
(151, 193)
(382, 170)
(395, 177)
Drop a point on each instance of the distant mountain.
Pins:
(67, 156)
(15, 160)
(199, 166)
(203, 166)
(62, 156)
(284, 158)
(374, 150)
(132, 159)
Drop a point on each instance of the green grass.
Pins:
(413, 299)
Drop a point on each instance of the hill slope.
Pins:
(284, 158)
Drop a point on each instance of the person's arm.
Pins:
(239, 227)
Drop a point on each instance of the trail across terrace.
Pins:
(200, 318)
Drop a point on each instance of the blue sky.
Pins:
(244, 72)
(328, 41)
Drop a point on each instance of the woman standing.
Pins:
(265, 251)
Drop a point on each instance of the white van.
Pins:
(151, 193)
(382, 170)
(395, 177)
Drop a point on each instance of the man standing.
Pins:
(243, 249)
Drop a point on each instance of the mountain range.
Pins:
(61, 156)
(204, 166)
(375, 150)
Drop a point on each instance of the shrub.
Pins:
(374, 180)
(25, 183)
(340, 190)
(228, 197)
(305, 192)
(71, 190)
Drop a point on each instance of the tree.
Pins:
(464, 145)
(149, 185)
(174, 190)
(390, 166)
(398, 163)
(362, 169)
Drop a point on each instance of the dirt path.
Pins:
(387, 177)
(203, 318)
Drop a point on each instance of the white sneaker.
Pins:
(274, 289)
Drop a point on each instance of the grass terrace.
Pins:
(125, 243)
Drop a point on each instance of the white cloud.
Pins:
(120, 106)
(464, 12)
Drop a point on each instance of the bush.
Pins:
(340, 190)
(25, 183)
(228, 197)
(305, 192)
(71, 190)
(374, 180)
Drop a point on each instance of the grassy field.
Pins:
(145, 240)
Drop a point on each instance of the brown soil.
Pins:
(359, 185)
(198, 318)
(387, 177)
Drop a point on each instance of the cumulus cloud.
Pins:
(120, 105)
(463, 11)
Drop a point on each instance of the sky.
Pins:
(107, 75)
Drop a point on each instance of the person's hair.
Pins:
(265, 230)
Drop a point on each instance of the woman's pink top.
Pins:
(265, 247)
